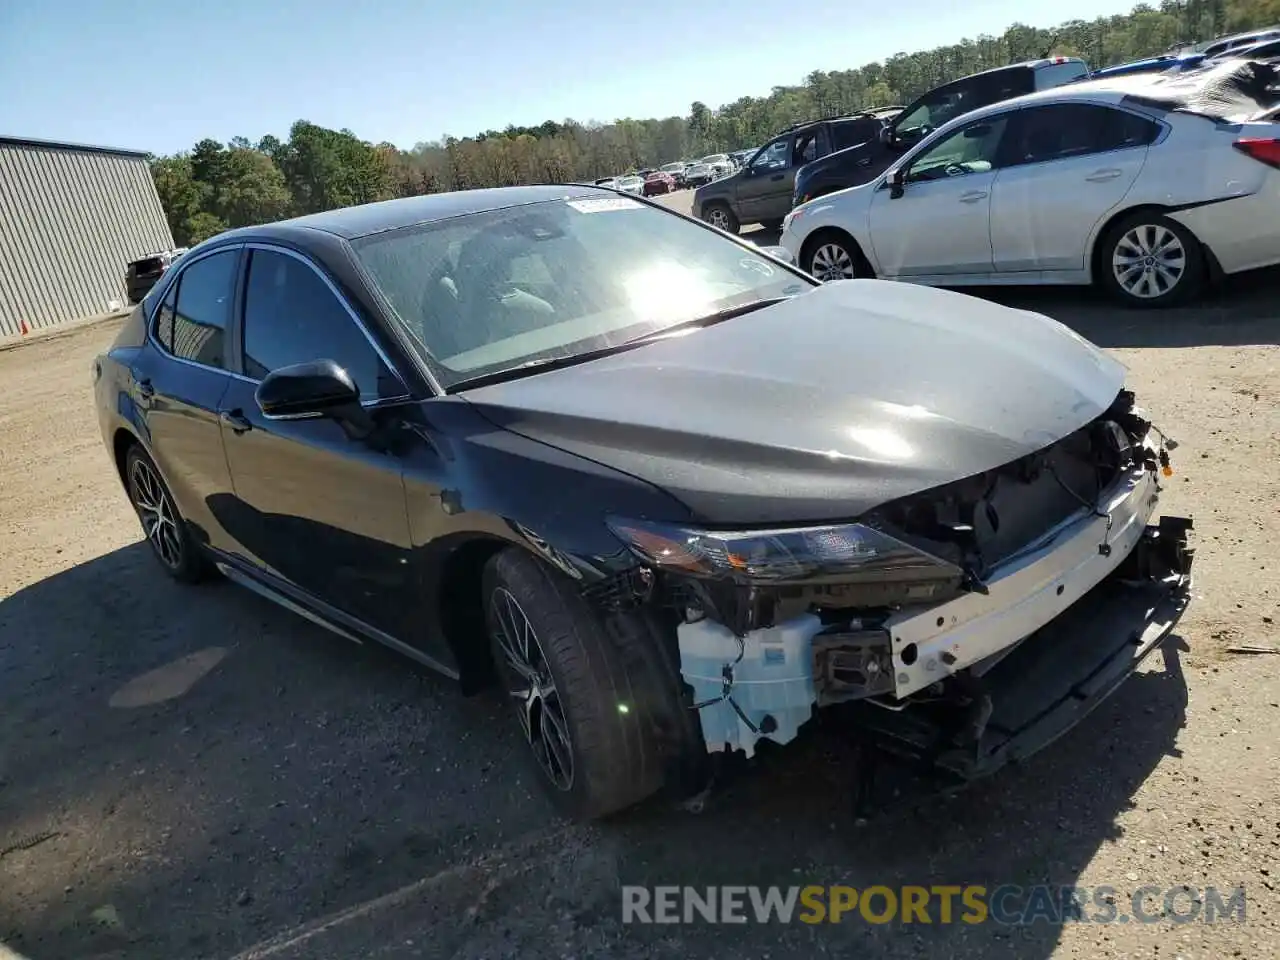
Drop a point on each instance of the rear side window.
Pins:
(850, 133)
(1061, 131)
(192, 321)
(292, 316)
(1056, 74)
(956, 99)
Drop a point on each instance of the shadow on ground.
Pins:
(187, 771)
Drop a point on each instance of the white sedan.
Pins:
(631, 184)
(1142, 184)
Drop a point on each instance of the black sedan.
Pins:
(669, 492)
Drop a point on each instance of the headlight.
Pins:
(851, 551)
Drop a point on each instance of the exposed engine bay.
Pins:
(960, 596)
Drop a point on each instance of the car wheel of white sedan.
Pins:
(1149, 260)
(833, 256)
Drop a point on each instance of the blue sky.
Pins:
(159, 76)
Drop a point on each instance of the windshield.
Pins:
(492, 291)
(715, 158)
(672, 167)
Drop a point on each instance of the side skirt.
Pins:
(320, 613)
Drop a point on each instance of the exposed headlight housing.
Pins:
(850, 552)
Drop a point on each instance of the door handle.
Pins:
(236, 420)
(973, 196)
(1098, 176)
(145, 390)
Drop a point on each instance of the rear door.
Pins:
(179, 384)
(320, 510)
(1065, 167)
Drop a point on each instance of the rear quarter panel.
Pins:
(1227, 199)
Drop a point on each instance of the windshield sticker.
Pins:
(604, 205)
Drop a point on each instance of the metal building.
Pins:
(71, 219)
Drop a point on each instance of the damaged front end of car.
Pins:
(967, 625)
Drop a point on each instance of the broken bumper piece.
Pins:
(994, 702)
(1055, 678)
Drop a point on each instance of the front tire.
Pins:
(832, 255)
(721, 216)
(577, 703)
(1149, 261)
(166, 532)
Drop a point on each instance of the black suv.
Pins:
(761, 191)
(865, 161)
(141, 274)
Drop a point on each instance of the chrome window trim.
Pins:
(355, 318)
(177, 276)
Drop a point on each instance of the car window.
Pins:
(850, 133)
(971, 149)
(292, 316)
(202, 311)
(1057, 74)
(1063, 130)
(806, 148)
(164, 316)
(932, 111)
(557, 278)
(774, 156)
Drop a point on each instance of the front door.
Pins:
(1067, 167)
(940, 224)
(765, 186)
(315, 505)
(178, 388)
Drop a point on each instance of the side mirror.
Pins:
(886, 134)
(896, 180)
(304, 390)
(780, 253)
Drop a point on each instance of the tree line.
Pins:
(216, 186)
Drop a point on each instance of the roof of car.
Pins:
(352, 222)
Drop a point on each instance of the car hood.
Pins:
(823, 406)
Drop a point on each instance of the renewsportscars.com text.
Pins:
(936, 904)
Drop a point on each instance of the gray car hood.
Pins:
(823, 406)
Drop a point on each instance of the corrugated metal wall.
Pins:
(70, 222)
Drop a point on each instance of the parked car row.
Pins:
(811, 159)
(1039, 172)
(1148, 185)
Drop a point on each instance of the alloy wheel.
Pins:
(533, 688)
(832, 262)
(718, 217)
(1149, 261)
(157, 513)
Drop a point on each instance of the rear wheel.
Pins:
(719, 215)
(1148, 260)
(832, 255)
(578, 705)
(163, 526)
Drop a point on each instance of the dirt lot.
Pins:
(273, 791)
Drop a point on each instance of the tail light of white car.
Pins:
(1263, 149)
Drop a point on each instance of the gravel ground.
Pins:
(192, 772)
